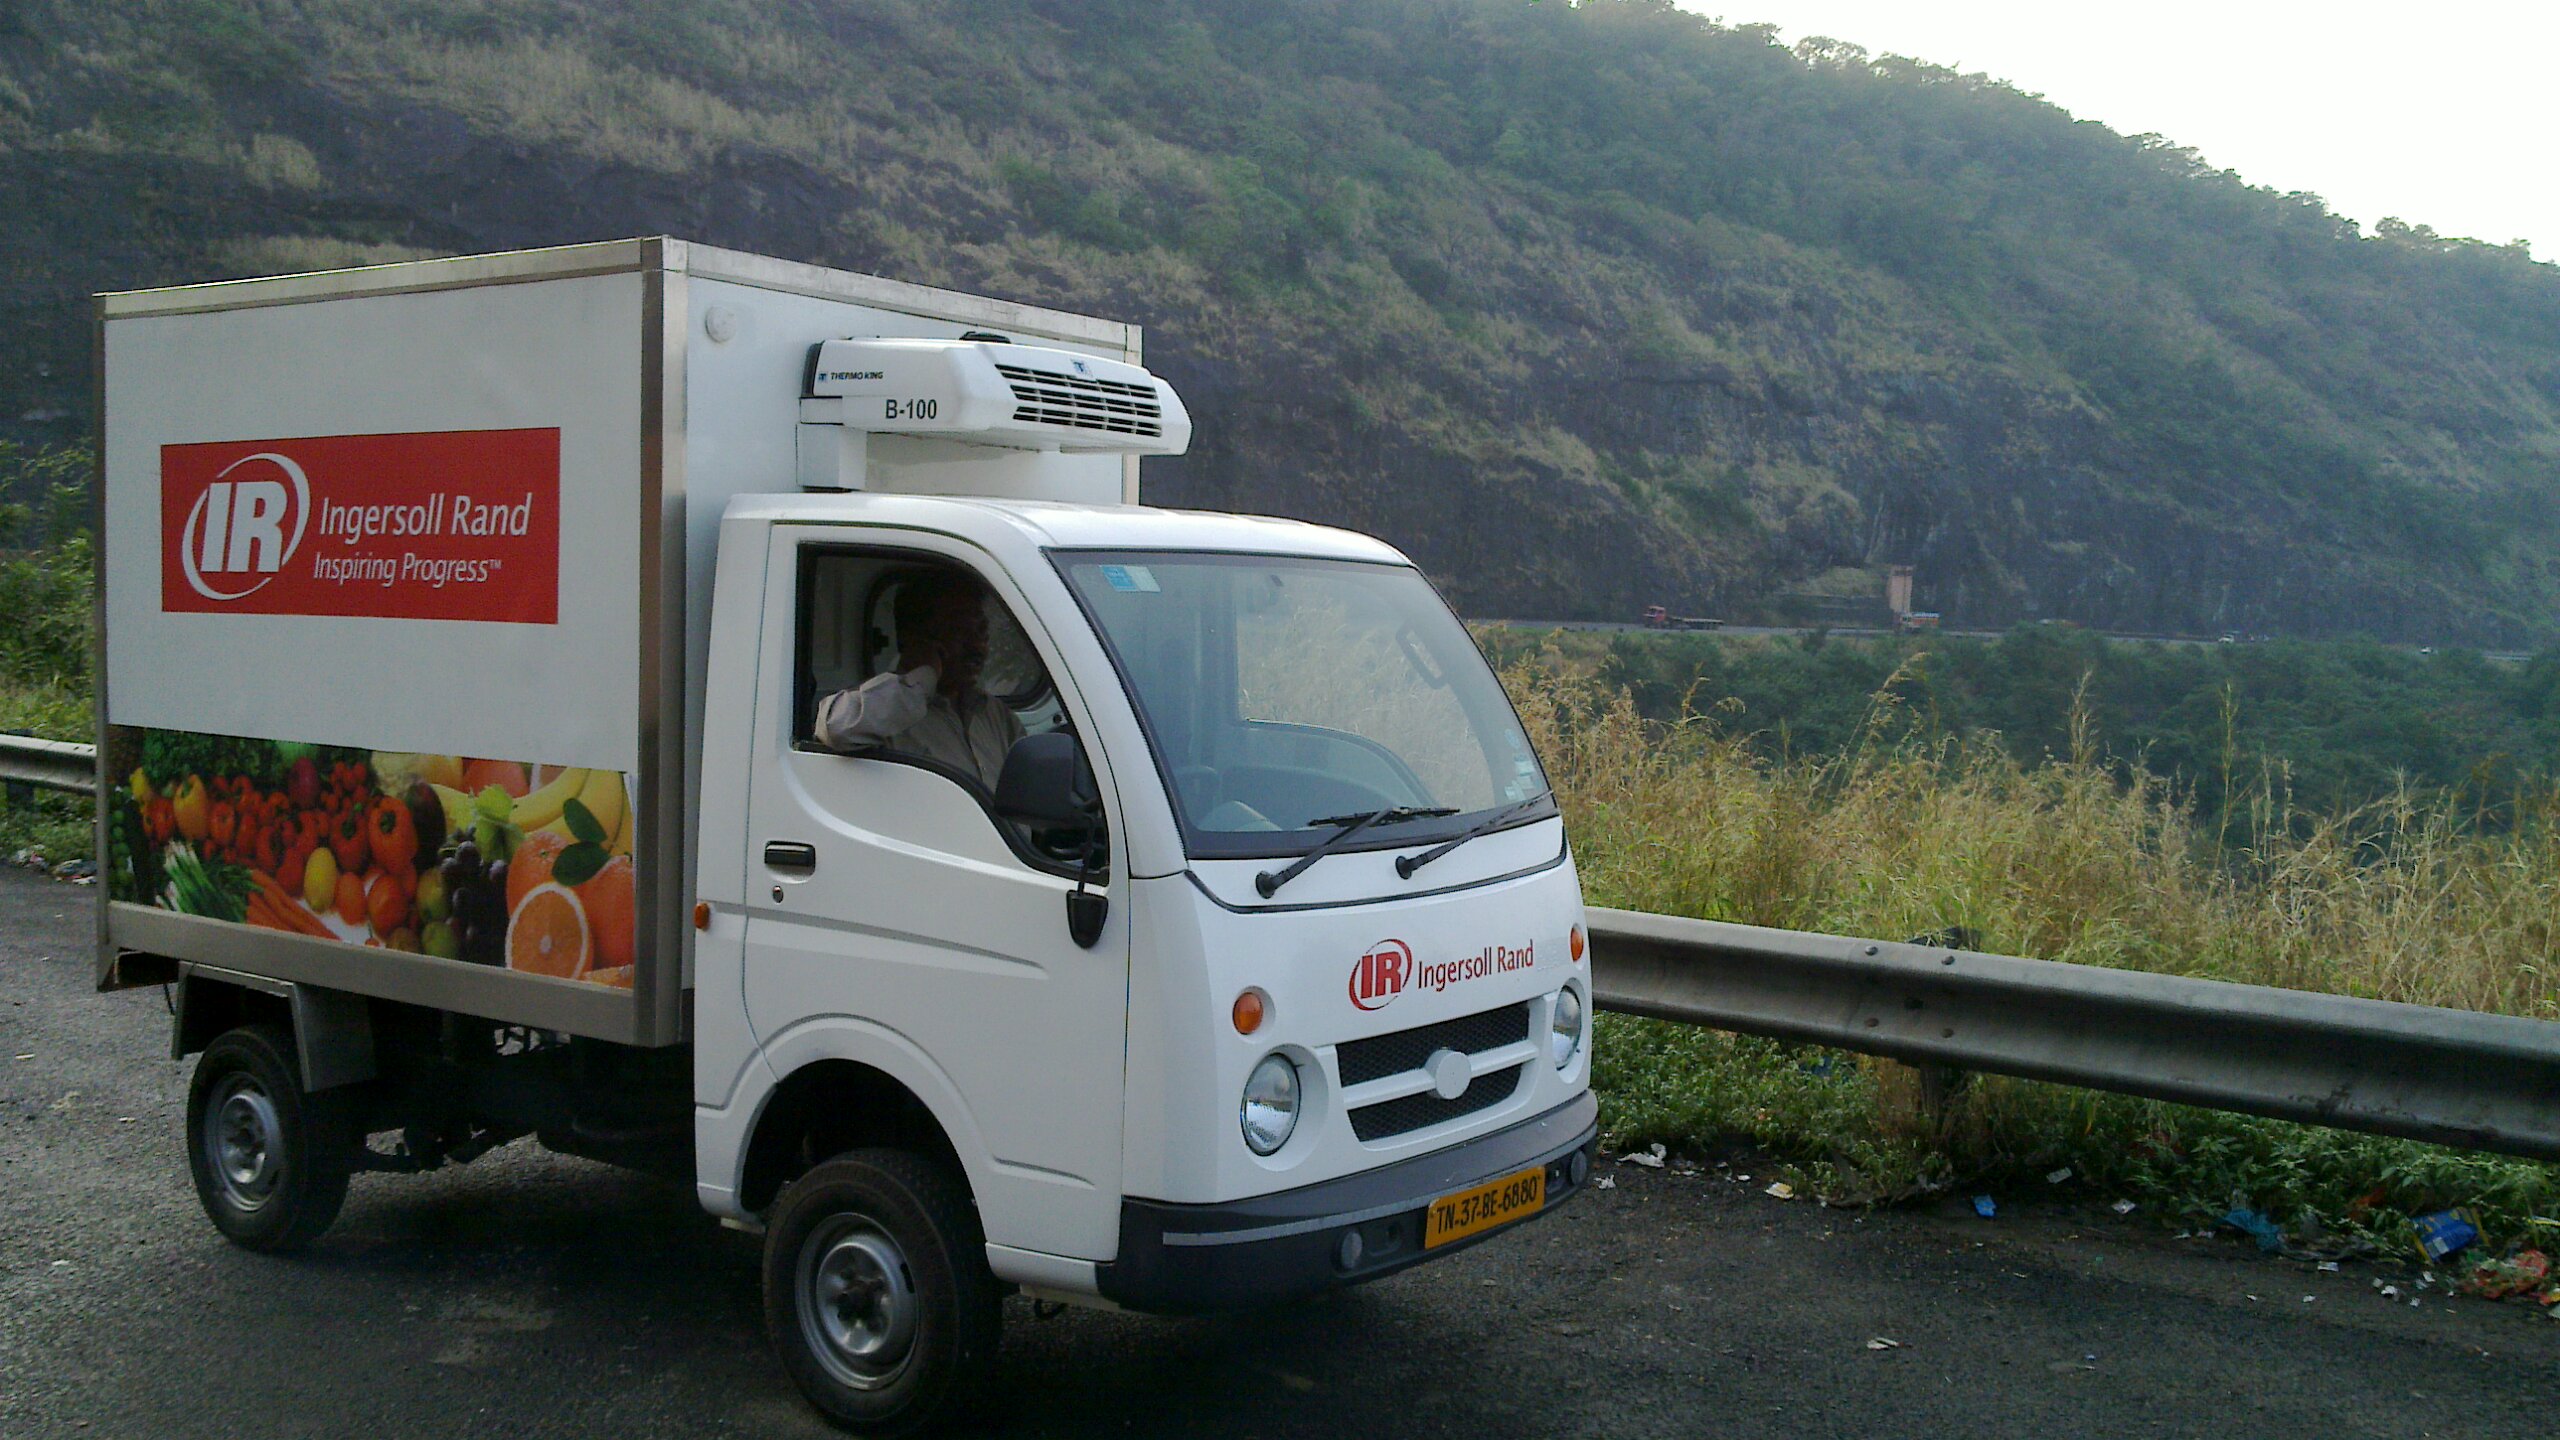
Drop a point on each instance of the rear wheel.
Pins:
(270, 1159)
(877, 1293)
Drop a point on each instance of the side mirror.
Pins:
(1045, 782)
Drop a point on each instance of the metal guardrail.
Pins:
(49, 764)
(2484, 1082)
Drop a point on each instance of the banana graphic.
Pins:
(603, 797)
(622, 837)
(542, 807)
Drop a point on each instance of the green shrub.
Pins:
(46, 575)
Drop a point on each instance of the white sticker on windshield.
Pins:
(1130, 579)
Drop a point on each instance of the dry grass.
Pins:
(2067, 860)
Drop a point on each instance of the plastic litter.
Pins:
(1604, 1182)
(1780, 1189)
(2390, 1292)
(1881, 1343)
(2446, 1232)
(2328, 1267)
(2256, 1225)
(1651, 1159)
(2520, 1274)
(2330, 1247)
(2123, 1207)
(1985, 1206)
(2058, 1176)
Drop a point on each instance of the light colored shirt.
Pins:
(909, 713)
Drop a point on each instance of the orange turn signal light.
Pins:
(1248, 1012)
(702, 917)
(1574, 943)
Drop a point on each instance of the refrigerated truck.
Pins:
(464, 629)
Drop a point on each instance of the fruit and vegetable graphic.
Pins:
(485, 861)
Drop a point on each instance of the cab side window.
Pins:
(911, 658)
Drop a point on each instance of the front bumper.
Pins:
(1185, 1259)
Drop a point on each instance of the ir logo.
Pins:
(238, 527)
(1379, 976)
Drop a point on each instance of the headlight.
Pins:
(1270, 1109)
(1564, 1034)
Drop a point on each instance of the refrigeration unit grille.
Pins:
(1083, 402)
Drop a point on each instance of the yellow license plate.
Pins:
(1454, 1217)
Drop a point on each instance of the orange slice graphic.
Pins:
(547, 934)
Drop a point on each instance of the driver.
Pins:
(933, 708)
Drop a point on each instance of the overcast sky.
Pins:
(2444, 114)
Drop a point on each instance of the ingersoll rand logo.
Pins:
(244, 526)
(429, 525)
(1379, 976)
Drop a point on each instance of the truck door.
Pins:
(892, 915)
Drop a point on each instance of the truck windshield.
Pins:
(1284, 694)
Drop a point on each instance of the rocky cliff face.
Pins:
(1746, 322)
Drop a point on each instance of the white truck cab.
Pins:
(1226, 948)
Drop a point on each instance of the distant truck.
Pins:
(470, 628)
(1916, 622)
(1659, 617)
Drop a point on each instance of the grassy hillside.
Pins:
(1585, 307)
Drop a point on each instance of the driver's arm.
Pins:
(878, 709)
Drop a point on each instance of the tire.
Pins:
(270, 1159)
(892, 1240)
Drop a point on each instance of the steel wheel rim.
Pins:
(857, 1302)
(243, 1142)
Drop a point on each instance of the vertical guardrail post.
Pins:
(17, 794)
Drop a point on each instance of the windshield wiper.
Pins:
(1388, 816)
(1407, 864)
(1268, 883)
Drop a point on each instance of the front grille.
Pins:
(1413, 1112)
(1083, 402)
(1379, 1056)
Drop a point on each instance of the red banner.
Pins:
(440, 525)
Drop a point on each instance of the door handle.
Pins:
(790, 855)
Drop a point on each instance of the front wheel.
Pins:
(877, 1293)
(270, 1158)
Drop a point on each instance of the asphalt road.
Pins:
(531, 1295)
